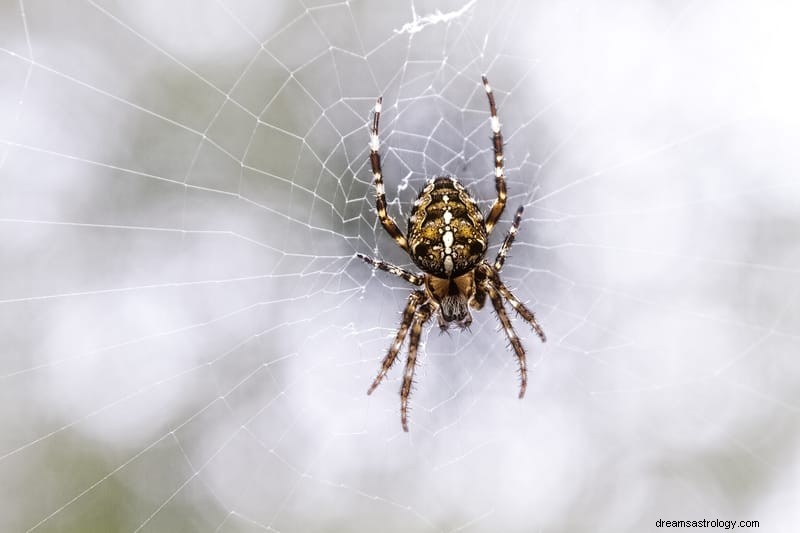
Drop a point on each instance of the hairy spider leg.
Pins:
(522, 311)
(526, 314)
(499, 175)
(420, 318)
(518, 306)
(509, 240)
(387, 221)
(497, 303)
(393, 269)
(414, 300)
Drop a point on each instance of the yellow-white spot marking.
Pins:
(374, 142)
(448, 264)
(448, 216)
(447, 239)
(495, 124)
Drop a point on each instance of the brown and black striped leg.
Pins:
(392, 269)
(375, 160)
(499, 175)
(521, 310)
(509, 240)
(497, 303)
(519, 307)
(420, 318)
(408, 316)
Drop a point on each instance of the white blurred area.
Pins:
(187, 338)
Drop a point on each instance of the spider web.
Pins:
(188, 338)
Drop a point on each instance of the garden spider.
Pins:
(447, 238)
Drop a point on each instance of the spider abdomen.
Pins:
(446, 230)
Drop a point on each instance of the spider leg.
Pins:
(408, 316)
(499, 175)
(392, 269)
(518, 306)
(408, 378)
(526, 314)
(509, 240)
(380, 192)
(497, 303)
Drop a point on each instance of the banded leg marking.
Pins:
(387, 221)
(499, 169)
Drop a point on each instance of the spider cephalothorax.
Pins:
(447, 238)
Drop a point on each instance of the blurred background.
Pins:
(187, 338)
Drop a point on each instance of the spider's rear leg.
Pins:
(499, 172)
(387, 221)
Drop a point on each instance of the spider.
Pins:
(447, 239)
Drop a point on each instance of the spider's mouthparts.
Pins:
(454, 308)
(444, 327)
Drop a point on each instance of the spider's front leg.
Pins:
(513, 338)
(420, 318)
(520, 308)
(408, 316)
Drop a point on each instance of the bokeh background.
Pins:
(186, 335)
